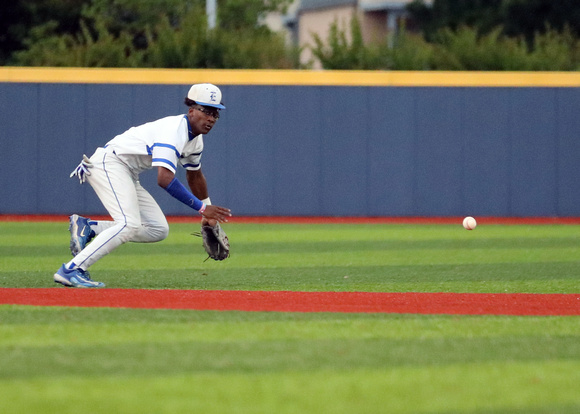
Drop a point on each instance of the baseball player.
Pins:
(113, 172)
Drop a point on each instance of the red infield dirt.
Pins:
(285, 301)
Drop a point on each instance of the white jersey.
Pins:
(164, 143)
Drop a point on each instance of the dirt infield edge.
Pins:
(522, 304)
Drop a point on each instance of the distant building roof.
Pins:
(323, 4)
(364, 4)
(383, 4)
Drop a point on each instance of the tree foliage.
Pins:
(194, 46)
(338, 52)
(159, 33)
(19, 18)
(516, 17)
(461, 49)
(455, 35)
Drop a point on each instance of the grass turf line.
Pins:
(458, 388)
(387, 258)
(129, 360)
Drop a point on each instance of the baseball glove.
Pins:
(215, 242)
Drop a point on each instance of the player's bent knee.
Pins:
(129, 233)
(158, 233)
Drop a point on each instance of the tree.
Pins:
(19, 18)
(451, 49)
(528, 17)
(515, 17)
(160, 33)
(452, 14)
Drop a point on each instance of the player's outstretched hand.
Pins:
(218, 213)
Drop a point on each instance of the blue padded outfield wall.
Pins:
(390, 149)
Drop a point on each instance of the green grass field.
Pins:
(100, 360)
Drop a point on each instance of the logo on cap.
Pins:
(212, 96)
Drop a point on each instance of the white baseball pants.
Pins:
(136, 215)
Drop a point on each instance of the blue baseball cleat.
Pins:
(75, 278)
(80, 233)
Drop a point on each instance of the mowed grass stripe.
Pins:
(251, 356)
(276, 246)
(331, 245)
(74, 332)
(36, 233)
(309, 235)
(552, 277)
(172, 261)
(514, 387)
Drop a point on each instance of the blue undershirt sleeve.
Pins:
(178, 190)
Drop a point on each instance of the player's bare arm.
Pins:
(167, 180)
(198, 185)
(164, 177)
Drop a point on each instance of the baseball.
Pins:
(469, 223)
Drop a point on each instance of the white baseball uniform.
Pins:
(115, 178)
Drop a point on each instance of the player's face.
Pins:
(202, 118)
